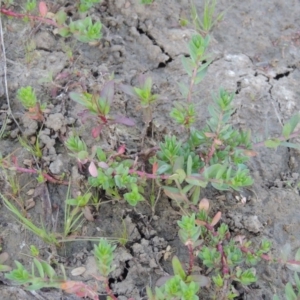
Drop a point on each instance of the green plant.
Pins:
(85, 5)
(209, 20)
(30, 5)
(26, 95)
(44, 276)
(291, 292)
(144, 93)
(78, 148)
(99, 105)
(46, 236)
(35, 149)
(84, 30)
(34, 251)
(147, 1)
(230, 259)
(114, 176)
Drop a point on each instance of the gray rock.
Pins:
(252, 224)
(56, 167)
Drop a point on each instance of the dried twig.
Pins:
(5, 73)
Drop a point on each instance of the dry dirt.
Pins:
(256, 54)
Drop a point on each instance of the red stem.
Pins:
(10, 13)
(191, 259)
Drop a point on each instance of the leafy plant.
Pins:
(85, 30)
(26, 95)
(34, 150)
(291, 292)
(144, 93)
(44, 276)
(99, 105)
(85, 5)
(113, 176)
(209, 20)
(147, 1)
(30, 5)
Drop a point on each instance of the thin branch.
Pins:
(5, 74)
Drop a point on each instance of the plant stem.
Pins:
(192, 83)
(10, 13)
(191, 259)
(281, 138)
(109, 291)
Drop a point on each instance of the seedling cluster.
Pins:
(213, 156)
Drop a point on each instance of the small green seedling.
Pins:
(26, 95)
(99, 106)
(147, 1)
(144, 94)
(30, 6)
(35, 149)
(44, 276)
(85, 30)
(114, 176)
(209, 20)
(78, 149)
(85, 5)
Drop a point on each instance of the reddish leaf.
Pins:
(124, 120)
(88, 214)
(96, 131)
(216, 218)
(154, 168)
(122, 149)
(93, 169)
(79, 289)
(103, 165)
(43, 8)
(127, 89)
(204, 204)
(108, 91)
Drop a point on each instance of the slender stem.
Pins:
(10, 13)
(281, 138)
(192, 83)
(109, 291)
(5, 73)
(191, 259)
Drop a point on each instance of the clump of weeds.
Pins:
(99, 106)
(84, 30)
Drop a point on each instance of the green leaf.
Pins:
(272, 143)
(163, 169)
(174, 193)
(187, 65)
(184, 89)
(196, 179)
(290, 126)
(177, 268)
(39, 267)
(196, 195)
(297, 255)
(189, 165)
(287, 130)
(187, 188)
(64, 32)
(289, 292)
(48, 270)
(181, 175)
(179, 163)
(290, 145)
